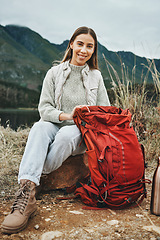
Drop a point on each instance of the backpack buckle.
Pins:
(83, 123)
(128, 200)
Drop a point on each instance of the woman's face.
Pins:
(82, 49)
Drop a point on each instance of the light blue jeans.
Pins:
(48, 146)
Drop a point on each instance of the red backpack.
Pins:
(115, 158)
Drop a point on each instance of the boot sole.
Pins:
(6, 230)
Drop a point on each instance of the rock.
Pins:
(72, 170)
(51, 235)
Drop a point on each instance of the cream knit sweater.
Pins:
(73, 90)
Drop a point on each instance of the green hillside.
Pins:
(34, 43)
(18, 65)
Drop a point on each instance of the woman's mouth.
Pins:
(81, 56)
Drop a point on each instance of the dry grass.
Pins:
(155, 75)
(145, 116)
(12, 145)
(151, 134)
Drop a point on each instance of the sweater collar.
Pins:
(67, 68)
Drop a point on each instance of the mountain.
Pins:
(25, 58)
(34, 43)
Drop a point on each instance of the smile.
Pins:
(81, 56)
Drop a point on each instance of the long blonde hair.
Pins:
(93, 61)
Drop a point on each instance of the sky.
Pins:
(120, 25)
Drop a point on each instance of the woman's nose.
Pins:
(83, 49)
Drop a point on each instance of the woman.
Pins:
(75, 82)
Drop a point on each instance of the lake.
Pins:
(18, 117)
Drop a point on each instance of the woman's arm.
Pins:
(65, 116)
(46, 106)
(102, 95)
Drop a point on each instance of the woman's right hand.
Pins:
(69, 116)
(79, 106)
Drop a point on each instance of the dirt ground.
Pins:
(65, 219)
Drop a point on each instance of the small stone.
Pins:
(48, 209)
(104, 220)
(51, 235)
(5, 213)
(139, 215)
(111, 211)
(47, 219)
(113, 222)
(76, 212)
(89, 230)
(118, 235)
(36, 226)
(3, 193)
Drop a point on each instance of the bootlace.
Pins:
(22, 197)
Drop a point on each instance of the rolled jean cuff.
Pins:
(28, 177)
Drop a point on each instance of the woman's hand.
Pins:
(79, 106)
(69, 116)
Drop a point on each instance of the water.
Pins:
(18, 117)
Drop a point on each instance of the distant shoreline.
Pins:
(17, 109)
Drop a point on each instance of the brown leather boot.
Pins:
(23, 207)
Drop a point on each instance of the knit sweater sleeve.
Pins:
(102, 95)
(46, 107)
